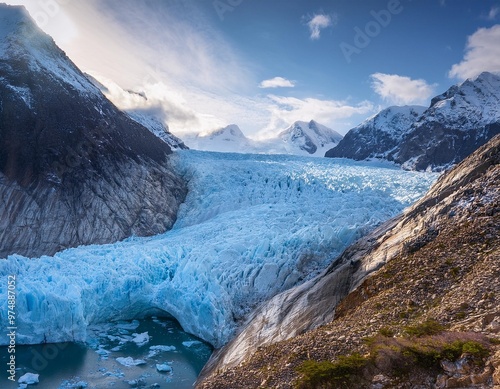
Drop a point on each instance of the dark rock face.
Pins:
(73, 168)
(378, 135)
(438, 146)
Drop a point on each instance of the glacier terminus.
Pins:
(251, 227)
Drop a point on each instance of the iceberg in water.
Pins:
(251, 227)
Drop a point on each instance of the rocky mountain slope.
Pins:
(456, 123)
(301, 138)
(158, 128)
(377, 135)
(146, 114)
(73, 168)
(413, 304)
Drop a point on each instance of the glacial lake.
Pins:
(116, 355)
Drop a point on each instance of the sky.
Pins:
(263, 64)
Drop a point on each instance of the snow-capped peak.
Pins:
(471, 104)
(394, 120)
(229, 133)
(377, 135)
(229, 139)
(11, 18)
(21, 40)
(310, 136)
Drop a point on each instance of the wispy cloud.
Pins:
(396, 89)
(277, 82)
(319, 22)
(494, 11)
(482, 53)
(286, 110)
(194, 76)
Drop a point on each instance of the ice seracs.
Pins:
(251, 227)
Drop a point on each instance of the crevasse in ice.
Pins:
(251, 226)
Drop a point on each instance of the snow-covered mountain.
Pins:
(73, 168)
(146, 116)
(228, 139)
(312, 138)
(457, 122)
(301, 138)
(157, 127)
(378, 134)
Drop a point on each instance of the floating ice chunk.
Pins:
(29, 379)
(102, 352)
(141, 339)
(117, 374)
(76, 385)
(152, 353)
(191, 343)
(141, 382)
(129, 361)
(128, 326)
(164, 368)
(162, 348)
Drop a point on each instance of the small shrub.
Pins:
(464, 305)
(428, 327)
(386, 331)
(332, 374)
(475, 349)
(494, 341)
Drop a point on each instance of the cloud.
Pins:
(401, 90)
(287, 110)
(277, 82)
(482, 53)
(494, 11)
(319, 22)
(171, 51)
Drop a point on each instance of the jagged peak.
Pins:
(486, 77)
(231, 130)
(21, 40)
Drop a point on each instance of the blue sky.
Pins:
(263, 64)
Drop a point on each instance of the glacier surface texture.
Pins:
(251, 227)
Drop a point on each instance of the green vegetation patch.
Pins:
(326, 374)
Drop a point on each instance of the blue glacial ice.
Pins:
(251, 227)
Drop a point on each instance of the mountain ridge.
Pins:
(456, 123)
(73, 168)
(301, 138)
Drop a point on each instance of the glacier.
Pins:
(251, 227)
